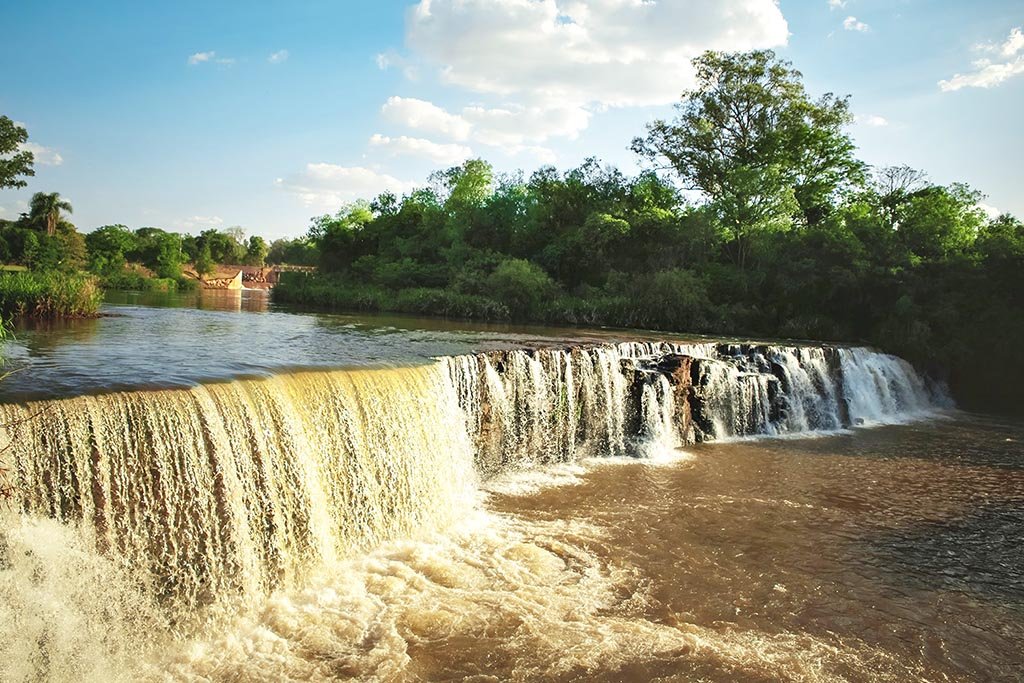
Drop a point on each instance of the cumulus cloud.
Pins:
(851, 23)
(989, 73)
(570, 53)
(836, 4)
(443, 154)
(278, 57)
(44, 156)
(513, 128)
(516, 125)
(328, 186)
(873, 120)
(547, 65)
(425, 116)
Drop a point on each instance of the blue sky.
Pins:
(189, 115)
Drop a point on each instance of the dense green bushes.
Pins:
(312, 289)
(49, 295)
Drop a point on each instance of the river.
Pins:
(264, 494)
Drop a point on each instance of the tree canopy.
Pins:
(15, 161)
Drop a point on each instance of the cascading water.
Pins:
(226, 492)
(240, 487)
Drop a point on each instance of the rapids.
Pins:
(182, 518)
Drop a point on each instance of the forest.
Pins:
(754, 218)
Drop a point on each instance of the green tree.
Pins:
(256, 251)
(753, 142)
(204, 261)
(107, 248)
(522, 286)
(45, 210)
(15, 161)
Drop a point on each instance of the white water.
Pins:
(249, 506)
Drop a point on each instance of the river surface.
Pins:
(894, 553)
(179, 340)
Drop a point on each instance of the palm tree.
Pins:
(46, 208)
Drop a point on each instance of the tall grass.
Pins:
(49, 295)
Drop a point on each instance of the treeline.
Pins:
(789, 235)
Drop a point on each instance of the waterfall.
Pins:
(557, 405)
(242, 487)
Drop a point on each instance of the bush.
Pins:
(523, 287)
(49, 295)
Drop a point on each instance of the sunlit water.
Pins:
(894, 553)
(161, 340)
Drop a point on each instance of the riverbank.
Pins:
(49, 295)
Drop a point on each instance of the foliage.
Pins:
(15, 161)
(756, 145)
(298, 252)
(256, 251)
(49, 295)
(45, 211)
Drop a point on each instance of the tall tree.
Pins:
(753, 142)
(45, 208)
(15, 161)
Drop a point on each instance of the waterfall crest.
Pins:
(238, 488)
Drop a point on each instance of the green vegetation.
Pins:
(49, 295)
(15, 162)
(756, 219)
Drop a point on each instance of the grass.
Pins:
(49, 295)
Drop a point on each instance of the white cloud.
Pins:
(327, 186)
(988, 73)
(1013, 44)
(991, 212)
(873, 120)
(20, 206)
(515, 125)
(836, 4)
(552, 63)
(442, 154)
(391, 59)
(200, 57)
(851, 23)
(278, 57)
(569, 53)
(513, 128)
(210, 56)
(425, 116)
(44, 156)
(198, 223)
(1008, 48)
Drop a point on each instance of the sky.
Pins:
(189, 115)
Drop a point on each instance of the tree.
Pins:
(759, 149)
(15, 161)
(108, 247)
(45, 208)
(204, 262)
(335, 236)
(522, 286)
(256, 252)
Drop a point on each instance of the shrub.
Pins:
(49, 295)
